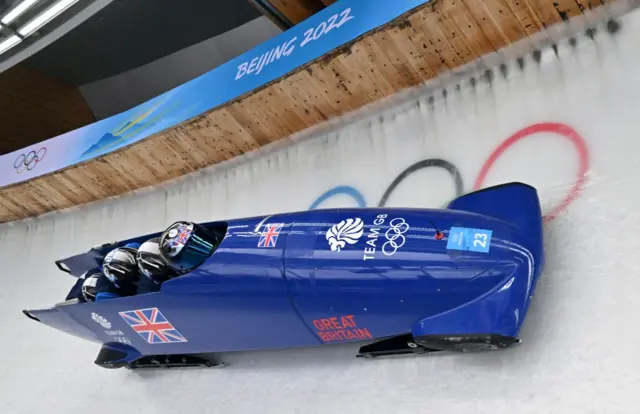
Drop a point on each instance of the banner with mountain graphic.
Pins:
(327, 30)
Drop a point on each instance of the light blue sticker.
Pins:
(473, 240)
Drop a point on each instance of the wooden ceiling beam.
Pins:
(287, 13)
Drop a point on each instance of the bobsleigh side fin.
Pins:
(78, 264)
(57, 318)
(515, 202)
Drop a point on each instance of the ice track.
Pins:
(574, 121)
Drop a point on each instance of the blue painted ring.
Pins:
(343, 189)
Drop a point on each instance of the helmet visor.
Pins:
(185, 246)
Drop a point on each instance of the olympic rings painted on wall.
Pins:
(28, 161)
(557, 128)
(553, 127)
(431, 162)
(357, 195)
(343, 189)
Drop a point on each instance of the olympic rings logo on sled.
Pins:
(27, 162)
(396, 231)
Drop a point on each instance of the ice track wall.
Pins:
(567, 124)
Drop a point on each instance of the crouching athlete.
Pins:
(153, 267)
(117, 277)
(137, 270)
(126, 271)
(91, 284)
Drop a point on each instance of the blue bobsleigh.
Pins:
(405, 280)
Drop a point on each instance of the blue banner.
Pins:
(327, 30)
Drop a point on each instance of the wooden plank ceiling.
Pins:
(35, 107)
(441, 35)
(294, 11)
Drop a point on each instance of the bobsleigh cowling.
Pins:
(410, 280)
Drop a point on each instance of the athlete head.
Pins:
(120, 267)
(186, 245)
(151, 264)
(89, 285)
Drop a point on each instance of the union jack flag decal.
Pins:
(269, 236)
(152, 326)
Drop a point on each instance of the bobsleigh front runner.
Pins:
(415, 280)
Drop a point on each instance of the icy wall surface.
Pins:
(567, 124)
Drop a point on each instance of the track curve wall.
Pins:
(562, 118)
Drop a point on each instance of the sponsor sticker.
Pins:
(348, 231)
(118, 336)
(382, 236)
(469, 239)
(340, 329)
(101, 320)
(392, 239)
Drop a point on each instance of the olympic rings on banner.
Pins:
(431, 162)
(557, 128)
(343, 189)
(27, 162)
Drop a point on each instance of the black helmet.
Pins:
(151, 264)
(89, 285)
(185, 246)
(120, 267)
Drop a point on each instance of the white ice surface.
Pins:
(581, 336)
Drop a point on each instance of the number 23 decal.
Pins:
(480, 239)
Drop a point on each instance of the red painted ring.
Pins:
(557, 128)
